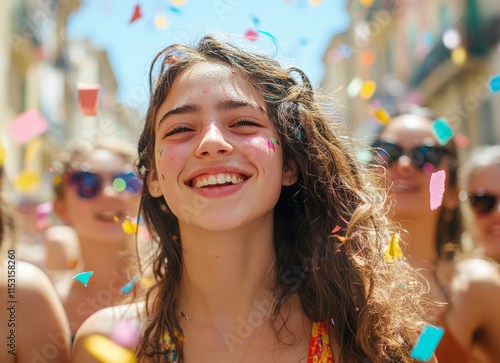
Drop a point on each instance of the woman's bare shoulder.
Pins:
(478, 271)
(102, 323)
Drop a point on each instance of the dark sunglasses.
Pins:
(483, 203)
(88, 184)
(421, 155)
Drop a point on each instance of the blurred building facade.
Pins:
(40, 69)
(435, 53)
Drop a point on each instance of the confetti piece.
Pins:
(495, 83)
(315, 2)
(345, 51)
(137, 14)
(427, 342)
(271, 145)
(125, 333)
(107, 351)
(116, 219)
(382, 116)
(393, 251)
(336, 229)
(129, 227)
(27, 181)
(442, 130)
(367, 58)
(146, 282)
(175, 10)
(354, 87)
(178, 2)
(366, 3)
(269, 35)
(333, 323)
(459, 55)
(436, 188)
(27, 126)
(357, 309)
(367, 90)
(451, 38)
(2, 152)
(87, 98)
(119, 184)
(129, 286)
(461, 140)
(161, 21)
(31, 149)
(83, 277)
(251, 35)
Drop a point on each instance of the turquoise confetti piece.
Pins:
(442, 130)
(269, 35)
(83, 277)
(128, 286)
(427, 342)
(495, 83)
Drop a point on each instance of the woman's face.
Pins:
(218, 157)
(485, 184)
(410, 183)
(93, 203)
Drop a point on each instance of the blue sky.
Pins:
(303, 29)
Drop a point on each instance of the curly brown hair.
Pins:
(345, 280)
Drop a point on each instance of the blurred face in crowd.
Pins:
(99, 194)
(413, 154)
(484, 188)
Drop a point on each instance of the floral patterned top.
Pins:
(319, 349)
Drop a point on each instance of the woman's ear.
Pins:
(290, 172)
(61, 210)
(154, 186)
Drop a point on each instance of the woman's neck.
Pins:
(227, 275)
(419, 244)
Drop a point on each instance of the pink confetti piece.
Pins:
(336, 229)
(125, 334)
(436, 188)
(87, 98)
(27, 126)
(251, 35)
(271, 145)
(333, 323)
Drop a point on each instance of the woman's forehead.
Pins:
(410, 129)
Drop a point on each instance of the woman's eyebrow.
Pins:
(180, 110)
(232, 104)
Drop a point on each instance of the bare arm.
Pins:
(43, 330)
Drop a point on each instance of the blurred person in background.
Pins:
(467, 288)
(97, 193)
(480, 179)
(34, 327)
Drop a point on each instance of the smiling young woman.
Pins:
(246, 179)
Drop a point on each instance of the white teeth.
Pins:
(217, 179)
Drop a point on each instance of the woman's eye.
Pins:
(245, 122)
(177, 130)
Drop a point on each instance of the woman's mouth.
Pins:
(216, 180)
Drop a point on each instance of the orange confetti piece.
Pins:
(336, 229)
(137, 13)
(367, 58)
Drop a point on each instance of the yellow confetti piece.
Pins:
(383, 116)
(459, 55)
(146, 282)
(393, 251)
(32, 149)
(315, 2)
(56, 179)
(27, 181)
(366, 3)
(367, 90)
(129, 227)
(2, 151)
(178, 2)
(116, 219)
(107, 351)
(161, 21)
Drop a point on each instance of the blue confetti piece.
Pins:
(83, 277)
(427, 342)
(442, 130)
(495, 83)
(128, 286)
(175, 10)
(269, 35)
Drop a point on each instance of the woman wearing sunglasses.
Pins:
(481, 183)
(97, 193)
(469, 289)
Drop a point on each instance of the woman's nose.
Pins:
(213, 142)
(404, 166)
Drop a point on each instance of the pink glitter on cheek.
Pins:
(209, 126)
(271, 145)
